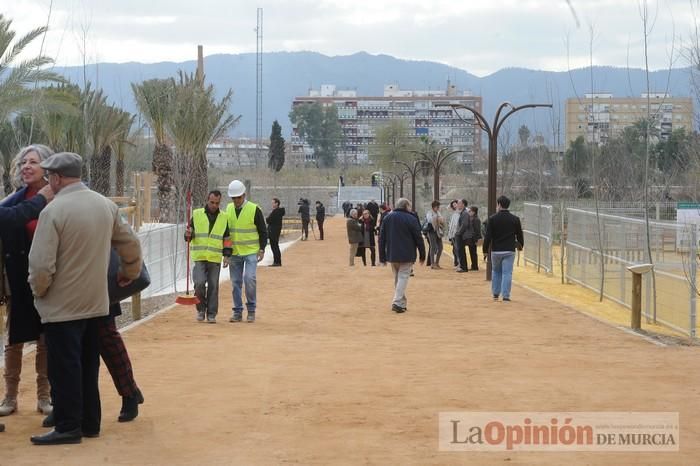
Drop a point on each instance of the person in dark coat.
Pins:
(16, 216)
(305, 218)
(504, 234)
(368, 241)
(274, 230)
(354, 229)
(474, 236)
(399, 238)
(24, 324)
(320, 217)
(373, 208)
(461, 235)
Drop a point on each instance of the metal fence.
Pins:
(164, 253)
(596, 259)
(538, 235)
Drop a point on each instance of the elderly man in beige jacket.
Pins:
(68, 274)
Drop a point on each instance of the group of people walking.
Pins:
(401, 243)
(57, 297)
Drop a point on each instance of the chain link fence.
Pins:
(538, 235)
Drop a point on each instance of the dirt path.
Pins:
(329, 374)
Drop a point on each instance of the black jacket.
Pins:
(14, 214)
(320, 213)
(304, 211)
(502, 230)
(274, 222)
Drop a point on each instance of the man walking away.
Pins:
(68, 264)
(320, 217)
(503, 229)
(274, 230)
(249, 237)
(399, 238)
(305, 218)
(208, 235)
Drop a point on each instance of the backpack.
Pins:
(427, 227)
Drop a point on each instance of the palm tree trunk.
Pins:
(100, 170)
(121, 169)
(200, 182)
(163, 168)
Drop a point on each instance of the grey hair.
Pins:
(44, 152)
(353, 211)
(403, 204)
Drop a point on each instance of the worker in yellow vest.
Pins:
(210, 244)
(249, 238)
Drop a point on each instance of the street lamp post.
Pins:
(412, 169)
(492, 133)
(436, 160)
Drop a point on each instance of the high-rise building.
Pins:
(361, 116)
(598, 117)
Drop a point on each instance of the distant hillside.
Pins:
(290, 74)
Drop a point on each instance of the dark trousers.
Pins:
(473, 257)
(305, 228)
(461, 253)
(116, 357)
(372, 253)
(429, 260)
(455, 257)
(275, 246)
(74, 366)
(320, 227)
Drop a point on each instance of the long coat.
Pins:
(25, 324)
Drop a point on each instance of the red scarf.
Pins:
(30, 226)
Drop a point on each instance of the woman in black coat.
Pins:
(23, 323)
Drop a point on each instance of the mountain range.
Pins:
(290, 74)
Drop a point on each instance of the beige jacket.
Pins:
(70, 255)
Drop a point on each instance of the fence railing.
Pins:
(538, 235)
(598, 257)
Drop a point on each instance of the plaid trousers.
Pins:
(116, 358)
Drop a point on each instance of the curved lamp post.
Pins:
(492, 133)
(436, 160)
(412, 169)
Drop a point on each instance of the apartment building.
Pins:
(229, 153)
(361, 116)
(598, 117)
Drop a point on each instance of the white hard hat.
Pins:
(236, 188)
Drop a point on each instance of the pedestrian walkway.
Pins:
(328, 374)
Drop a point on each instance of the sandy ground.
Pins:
(329, 375)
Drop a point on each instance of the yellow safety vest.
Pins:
(244, 234)
(207, 246)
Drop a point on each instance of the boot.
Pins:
(130, 407)
(8, 406)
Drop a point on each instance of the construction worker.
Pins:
(208, 235)
(249, 237)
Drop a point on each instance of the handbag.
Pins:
(119, 293)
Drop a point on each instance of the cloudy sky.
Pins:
(478, 36)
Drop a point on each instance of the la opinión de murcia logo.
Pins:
(559, 431)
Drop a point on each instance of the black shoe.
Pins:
(88, 434)
(506, 299)
(475, 269)
(495, 297)
(462, 271)
(49, 421)
(58, 438)
(275, 265)
(130, 407)
(398, 309)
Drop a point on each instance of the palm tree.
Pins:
(153, 99)
(196, 120)
(15, 78)
(122, 141)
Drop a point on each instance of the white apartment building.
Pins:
(598, 117)
(361, 116)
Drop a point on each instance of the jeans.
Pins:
(402, 272)
(502, 273)
(243, 271)
(74, 366)
(435, 248)
(205, 276)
